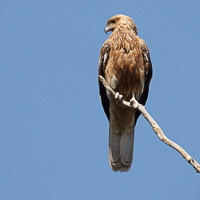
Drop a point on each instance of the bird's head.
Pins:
(120, 20)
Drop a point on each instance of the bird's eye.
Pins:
(112, 21)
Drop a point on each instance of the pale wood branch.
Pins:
(154, 125)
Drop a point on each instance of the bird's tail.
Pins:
(121, 148)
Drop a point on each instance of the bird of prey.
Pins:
(125, 64)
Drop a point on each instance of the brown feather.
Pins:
(125, 64)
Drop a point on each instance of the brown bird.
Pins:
(125, 64)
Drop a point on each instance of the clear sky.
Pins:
(53, 131)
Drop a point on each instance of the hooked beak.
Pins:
(107, 29)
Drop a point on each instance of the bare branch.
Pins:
(154, 126)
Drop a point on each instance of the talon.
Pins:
(119, 97)
(133, 101)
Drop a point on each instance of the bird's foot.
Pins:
(118, 97)
(133, 102)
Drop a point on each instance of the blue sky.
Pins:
(53, 131)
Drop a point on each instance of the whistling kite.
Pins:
(125, 64)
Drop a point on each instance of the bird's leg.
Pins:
(118, 97)
(133, 101)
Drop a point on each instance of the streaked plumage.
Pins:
(125, 64)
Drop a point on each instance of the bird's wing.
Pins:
(148, 75)
(103, 59)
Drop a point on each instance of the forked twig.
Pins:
(154, 125)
